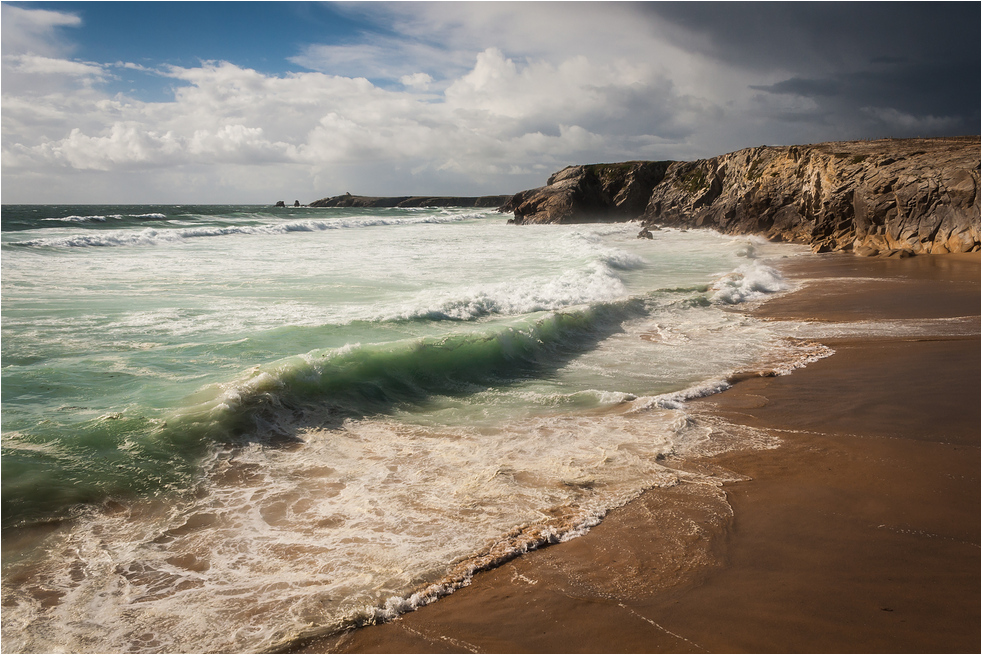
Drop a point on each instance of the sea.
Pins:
(229, 427)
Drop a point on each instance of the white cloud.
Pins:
(39, 65)
(136, 67)
(35, 54)
(236, 142)
(35, 31)
(125, 145)
(492, 125)
(421, 81)
(455, 98)
(461, 115)
(384, 59)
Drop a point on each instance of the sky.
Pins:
(254, 102)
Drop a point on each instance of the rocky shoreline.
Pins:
(889, 197)
(348, 200)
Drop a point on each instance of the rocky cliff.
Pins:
(887, 196)
(348, 200)
(579, 194)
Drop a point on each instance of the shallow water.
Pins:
(224, 427)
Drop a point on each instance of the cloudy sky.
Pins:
(198, 102)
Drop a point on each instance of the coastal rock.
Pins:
(348, 200)
(597, 192)
(883, 198)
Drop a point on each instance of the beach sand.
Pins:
(859, 533)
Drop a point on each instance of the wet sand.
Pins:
(859, 533)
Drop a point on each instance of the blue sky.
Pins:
(255, 102)
(259, 35)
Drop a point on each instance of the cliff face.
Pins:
(873, 197)
(598, 192)
(917, 195)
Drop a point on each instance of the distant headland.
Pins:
(348, 200)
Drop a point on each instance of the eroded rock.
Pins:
(581, 194)
(875, 198)
(883, 197)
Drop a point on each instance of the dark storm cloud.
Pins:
(917, 89)
(852, 60)
(803, 87)
(777, 34)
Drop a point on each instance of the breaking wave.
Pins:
(749, 282)
(274, 401)
(360, 380)
(99, 218)
(151, 236)
(596, 282)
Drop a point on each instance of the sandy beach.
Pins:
(859, 532)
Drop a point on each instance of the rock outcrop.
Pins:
(890, 196)
(348, 200)
(598, 192)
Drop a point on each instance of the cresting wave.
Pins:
(326, 386)
(596, 282)
(275, 401)
(150, 236)
(363, 380)
(98, 218)
(751, 281)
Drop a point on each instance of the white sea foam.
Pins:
(751, 281)
(150, 236)
(956, 326)
(99, 218)
(597, 282)
(345, 529)
(677, 399)
(81, 219)
(623, 261)
(400, 504)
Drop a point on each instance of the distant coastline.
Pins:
(888, 197)
(348, 200)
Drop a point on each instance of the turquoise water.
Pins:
(226, 426)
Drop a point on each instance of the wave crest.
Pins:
(151, 236)
(368, 379)
(751, 281)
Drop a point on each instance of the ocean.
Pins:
(226, 427)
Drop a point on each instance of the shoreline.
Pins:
(859, 532)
